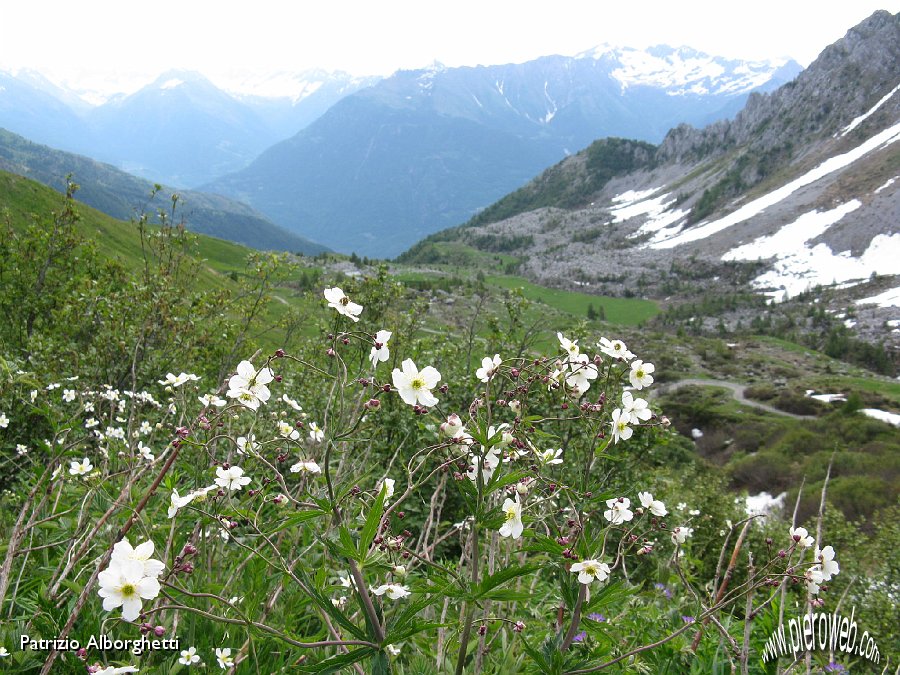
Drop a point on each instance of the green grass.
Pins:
(620, 311)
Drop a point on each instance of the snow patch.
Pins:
(862, 118)
(797, 267)
(674, 237)
(825, 398)
(890, 298)
(886, 185)
(764, 503)
(171, 84)
(884, 416)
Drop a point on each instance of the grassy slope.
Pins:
(23, 200)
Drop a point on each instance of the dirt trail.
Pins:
(737, 391)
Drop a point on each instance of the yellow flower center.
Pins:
(417, 383)
(511, 514)
(128, 590)
(639, 372)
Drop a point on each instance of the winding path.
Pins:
(737, 391)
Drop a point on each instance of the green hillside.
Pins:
(119, 194)
(22, 200)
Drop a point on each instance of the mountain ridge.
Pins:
(122, 196)
(799, 190)
(460, 137)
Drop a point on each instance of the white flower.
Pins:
(232, 478)
(145, 428)
(813, 579)
(491, 462)
(656, 507)
(123, 552)
(393, 591)
(801, 536)
(34, 395)
(178, 380)
(550, 456)
(247, 444)
(640, 374)
(680, 534)
(305, 466)
(4, 652)
(189, 657)
(615, 349)
(392, 650)
(113, 670)
(124, 585)
(249, 386)
(21, 449)
(336, 299)
(583, 371)
(291, 402)
(826, 565)
(506, 437)
(208, 400)
(415, 386)
(512, 525)
(590, 570)
(287, 431)
(68, 395)
(388, 485)
(569, 346)
(618, 511)
(620, 429)
(145, 451)
(380, 352)
(315, 433)
(694, 512)
(224, 658)
(635, 408)
(488, 368)
(452, 426)
(80, 468)
(339, 602)
(176, 502)
(89, 407)
(515, 406)
(115, 432)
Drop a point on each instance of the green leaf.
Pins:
(297, 519)
(492, 581)
(336, 664)
(349, 546)
(373, 520)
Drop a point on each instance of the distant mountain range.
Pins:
(426, 149)
(800, 189)
(123, 196)
(181, 129)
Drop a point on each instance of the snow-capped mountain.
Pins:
(180, 129)
(800, 190)
(425, 149)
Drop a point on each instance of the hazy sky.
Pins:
(123, 44)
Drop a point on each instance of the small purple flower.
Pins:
(687, 619)
(596, 617)
(664, 589)
(580, 636)
(835, 668)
